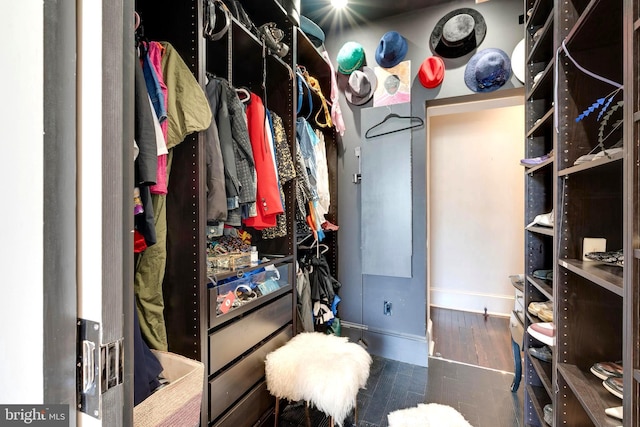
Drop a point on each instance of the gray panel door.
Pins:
(386, 191)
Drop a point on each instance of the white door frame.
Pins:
(465, 104)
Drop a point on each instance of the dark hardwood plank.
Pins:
(481, 395)
(472, 338)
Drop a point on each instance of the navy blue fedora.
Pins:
(391, 50)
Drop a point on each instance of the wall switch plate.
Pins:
(386, 308)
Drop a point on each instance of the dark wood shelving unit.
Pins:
(545, 373)
(544, 85)
(542, 285)
(585, 167)
(544, 123)
(591, 394)
(607, 276)
(631, 345)
(233, 345)
(543, 47)
(538, 397)
(596, 310)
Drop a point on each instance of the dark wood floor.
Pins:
(471, 338)
(481, 395)
(468, 344)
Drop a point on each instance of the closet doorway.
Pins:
(475, 219)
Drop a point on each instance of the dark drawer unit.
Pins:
(225, 345)
(232, 384)
(253, 406)
(264, 285)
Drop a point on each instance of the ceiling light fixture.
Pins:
(339, 4)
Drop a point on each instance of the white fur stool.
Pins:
(325, 371)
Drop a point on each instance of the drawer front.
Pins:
(519, 305)
(235, 339)
(233, 383)
(269, 283)
(250, 409)
(517, 330)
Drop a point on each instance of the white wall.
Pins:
(476, 199)
(21, 174)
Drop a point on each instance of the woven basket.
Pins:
(179, 402)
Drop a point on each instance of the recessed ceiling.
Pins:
(359, 12)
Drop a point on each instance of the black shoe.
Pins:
(541, 353)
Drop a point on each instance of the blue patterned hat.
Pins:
(487, 70)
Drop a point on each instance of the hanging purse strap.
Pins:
(314, 84)
(302, 83)
(210, 19)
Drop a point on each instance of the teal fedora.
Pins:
(312, 30)
(350, 57)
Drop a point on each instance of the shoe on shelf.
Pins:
(614, 386)
(541, 353)
(611, 257)
(543, 331)
(543, 274)
(604, 370)
(545, 220)
(615, 412)
(535, 307)
(548, 413)
(546, 313)
(533, 161)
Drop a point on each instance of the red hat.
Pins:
(431, 72)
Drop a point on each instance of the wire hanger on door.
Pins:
(414, 122)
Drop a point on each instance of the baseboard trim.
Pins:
(406, 348)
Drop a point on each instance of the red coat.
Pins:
(268, 202)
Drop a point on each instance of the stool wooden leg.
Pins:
(331, 422)
(355, 414)
(306, 414)
(277, 412)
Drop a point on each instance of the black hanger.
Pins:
(419, 123)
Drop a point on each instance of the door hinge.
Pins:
(99, 367)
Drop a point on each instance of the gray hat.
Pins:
(362, 84)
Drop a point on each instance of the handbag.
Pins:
(272, 36)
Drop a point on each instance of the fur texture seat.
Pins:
(427, 415)
(325, 371)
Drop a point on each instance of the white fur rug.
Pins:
(427, 415)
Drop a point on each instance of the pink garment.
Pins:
(155, 51)
(336, 112)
